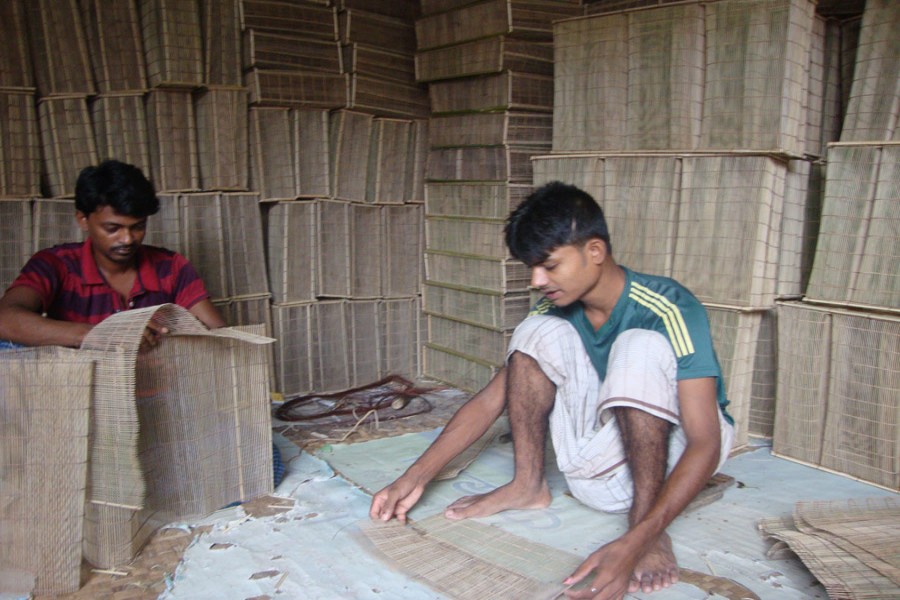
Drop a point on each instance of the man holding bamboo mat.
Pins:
(618, 367)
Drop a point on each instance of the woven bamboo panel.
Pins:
(849, 46)
(15, 54)
(761, 418)
(274, 51)
(491, 129)
(399, 10)
(296, 88)
(252, 311)
(292, 251)
(507, 90)
(495, 311)
(837, 387)
(46, 405)
(466, 235)
(113, 32)
(474, 341)
(222, 138)
(54, 223)
(387, 98)
(59, 51)
(520, 18)
(350, 141)
(596, 7)
(476, 272)
(221, 26)
(120, 129)
(418, 159)
(67, 142)
(312, 135)
(172, 129)
(482, 200)
(480, 57)
(244, 248)
(368, 250)
(330, 352)
(20, 145)
(16, 238)
(814, 106)
(510, 163)
(874, 104)
(379, 63)
(403, 260)
(835, 90)
(401, 336)
(462, 372)
(858, 247)
(272, 172)
(803, 190)
(373, 29)
(165, 228)
(303, 19)
(389, 176)
(204, 240)
(173, 42)
(365, 341)
(293, 345)
(333, 233)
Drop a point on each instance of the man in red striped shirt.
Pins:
(77, 285)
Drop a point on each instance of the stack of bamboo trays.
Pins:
(489, 67)
(698, 126)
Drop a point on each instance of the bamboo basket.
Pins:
(312, 134)
(330, 342)
(113, 32)
(837, 386)
(399, 10)
(373, 29)
(873, 108)
(518, 18)
(20, 145)
(401, 336)
(403, 262)
(379, 63)
(283, 52)
(367, 251)
(173, 42)
(54, 223)
(244, 248)
(418, 159)
(489, 345)
(387, 98)
(272, 172)
(120, 129)
(491, 129)
(482, 200)
(350, 142)
(220, 21)
(15, 54)
(502, 91)
(293, 348)
(509, 163)
(304, 19)
(858, 247)
(463, 372)
(389, 170)
(306, 89)
(67, 141)
(477, 273)
(365, 341)
(494, 311)
(333, 232)
(16, 238)
(481, 57)
(462, 235)
(47, 405)
(222, 138)
(59, 53)
(292, 251)
(172, 128)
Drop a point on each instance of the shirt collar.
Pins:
(147, 279)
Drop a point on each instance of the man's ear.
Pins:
(596, 250)
(82, 220)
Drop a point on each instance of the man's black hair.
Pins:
(121, 186)
(554, 215)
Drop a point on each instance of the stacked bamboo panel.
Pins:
(16, 237)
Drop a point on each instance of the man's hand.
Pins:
(396, 499)
(153, 333)
(613, 567)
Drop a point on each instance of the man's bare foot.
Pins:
(503, 498)
(657, 569)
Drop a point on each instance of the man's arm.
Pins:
(208, 314)
(21, 322)
(469, 423)
(615, 562)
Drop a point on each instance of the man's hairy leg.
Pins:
(646, 441)
(530, 396)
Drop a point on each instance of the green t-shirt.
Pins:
(658, 304)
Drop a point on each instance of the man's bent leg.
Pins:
(530, 398)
